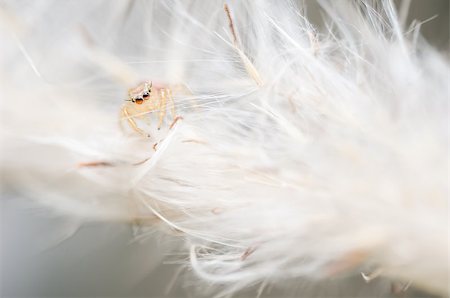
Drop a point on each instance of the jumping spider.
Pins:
(145, 99)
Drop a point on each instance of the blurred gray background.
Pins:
(50, 256)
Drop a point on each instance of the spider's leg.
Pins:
(132, 123)
(162, 107)
(171, 102)
(172, 108)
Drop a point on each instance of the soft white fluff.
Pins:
(303, 153)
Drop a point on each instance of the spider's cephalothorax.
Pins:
(139, 94)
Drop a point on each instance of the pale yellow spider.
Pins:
(145, 99)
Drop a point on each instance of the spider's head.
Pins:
(141, 93)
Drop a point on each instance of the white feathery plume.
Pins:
(301, 153)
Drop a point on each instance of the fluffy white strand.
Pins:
(301, 153)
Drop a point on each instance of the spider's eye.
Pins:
(139, 100)
(145, 95)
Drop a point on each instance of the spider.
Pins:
(143, 100)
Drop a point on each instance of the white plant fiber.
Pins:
(302, 153)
